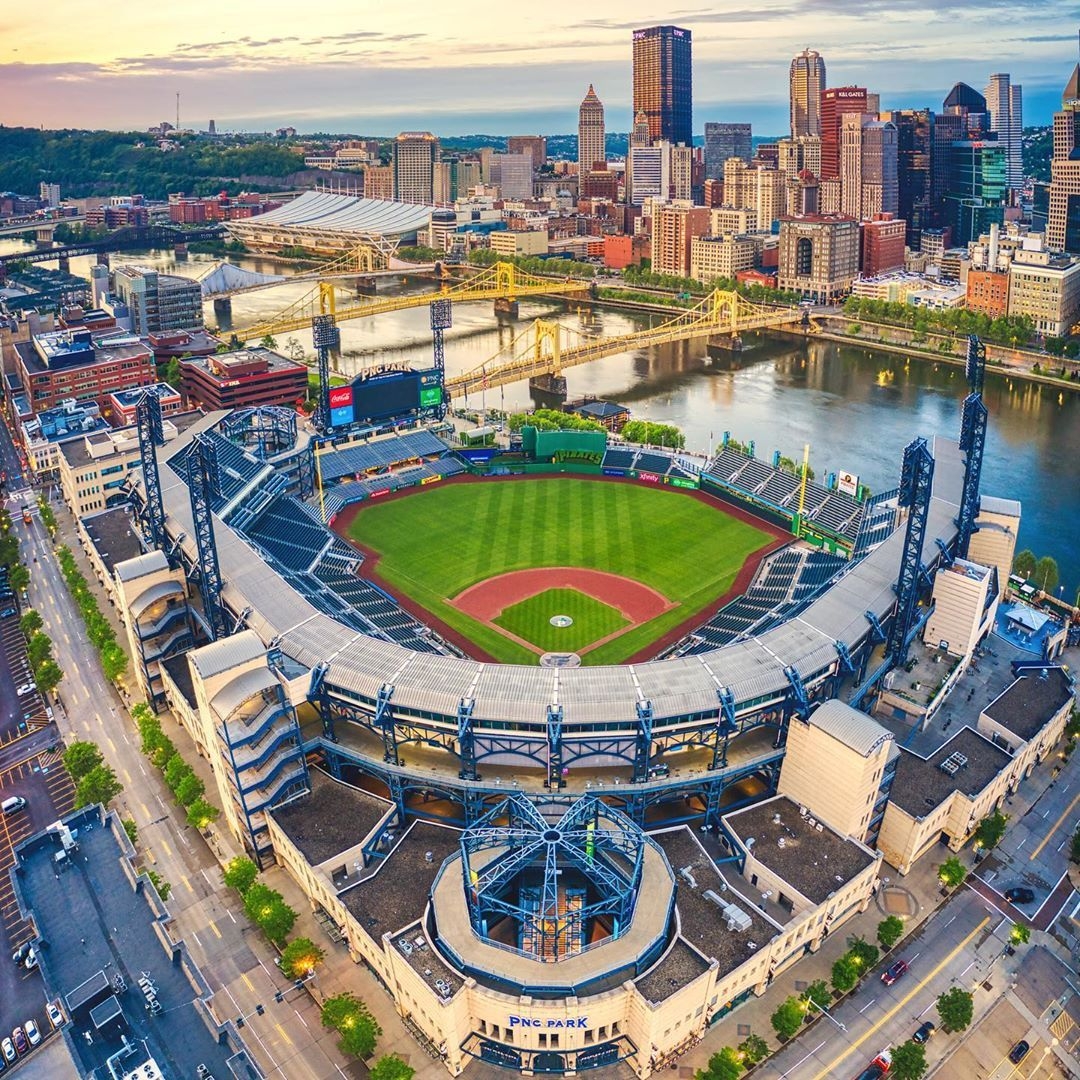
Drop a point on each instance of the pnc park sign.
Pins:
(551, 1022)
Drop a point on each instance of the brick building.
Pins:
(882, 242)
(255, 376)
(819, 255)
(988, 292)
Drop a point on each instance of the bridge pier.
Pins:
(65, 264)
(180, 250)
(548, 389)
(223, 308)
(505, 305)
(366, 286)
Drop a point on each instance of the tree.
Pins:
(300, 958)
(113, 662)
(99, 785)
(132, 830)
(818, 994)
(890, 931)
(48, 676)
(863, 952)
(159, 883)
(1046, 574)
(352, 1020)
(19, 578)
(176, 771)
(268, 341)
(201, 814)
(908, 1061)
(171, 374)
(955, 1007)
(1074, 847)
(81, 757)
(845, 973)
(38, 649)
(952, 873)
(189, 789)
(788, 1018)
(1024, 563)
(1020, 934)
(725, 1064)
(991, 829)
(30, 623)
(391, 1067)
(240, 874)
(267, 909)
(754, 1049)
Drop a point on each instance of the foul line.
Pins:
(900, 1004)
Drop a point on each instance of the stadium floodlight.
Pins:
(441, 315)
(324, 331)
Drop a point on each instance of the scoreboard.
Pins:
(385, 395)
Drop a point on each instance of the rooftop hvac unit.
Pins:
(819, 826)
(811, 822)
(687, 875)
(779, 841)
(713, 898)
(736, 918)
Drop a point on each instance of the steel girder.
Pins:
(442, 318)
(203, 484)
(466, 740)
(973, 442)
(151, 434)
(642, 741)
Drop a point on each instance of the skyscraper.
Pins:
(415, 155)
(663, 82)
(723, 141)
(914, 163)
(835, 101)
(1063, 216)
(807, 80)
(867, 166)
(536, 145)
(640, 135)
(1004, 103)
(590, 134)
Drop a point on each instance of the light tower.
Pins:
(204, 482)
(442, 318)
(326, 336)
(151, 434)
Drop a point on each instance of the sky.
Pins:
(378, 68)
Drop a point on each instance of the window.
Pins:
(615, 1027)
(554, 1039)
(542, 1037)
(804, 256)
(589, 1037)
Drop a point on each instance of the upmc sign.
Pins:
(340, 396)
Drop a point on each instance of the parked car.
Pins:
(1019, 1052)
(7, 1047)
(21, 953)
(1020, 895)
(31, 960)
(925, 1033)
(56, 1017)
(18, 1037)
(33, 1034)
(896, 971)
(877, 1068)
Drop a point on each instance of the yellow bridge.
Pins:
(501, 281)
(547, 347)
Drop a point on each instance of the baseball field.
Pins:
(497, 560)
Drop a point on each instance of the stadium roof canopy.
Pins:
(321, 218)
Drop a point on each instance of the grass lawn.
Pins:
(434, 544)
(531, 620)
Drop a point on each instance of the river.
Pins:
(856, 408)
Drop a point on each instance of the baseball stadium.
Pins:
(482, 703)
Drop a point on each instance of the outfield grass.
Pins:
(531, 619)
(436, 543)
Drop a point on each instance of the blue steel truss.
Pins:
(798, 701)
(555, 747)
(916, 483)
(466, 740)
(726, 726)
(263, 430)
(326, 337)
(203, 484)
(442, 318)
(642, 741)
(151, 434)
(536, 856)
(975, 366)
(384, 723)
(973, 444)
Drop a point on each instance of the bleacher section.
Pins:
(878, 521)
(237, 469)
(660, 462)
(783, 586)
(833, 511)
(287, 532)
(381, 453)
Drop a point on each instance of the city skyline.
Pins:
(383, 80)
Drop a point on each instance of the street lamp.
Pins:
(825, 1012)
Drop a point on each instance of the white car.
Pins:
(56, 1017)
(33, 1034)
(31, 961)
(8, 1048)
(26, 688)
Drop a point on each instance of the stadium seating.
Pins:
(286, 531)
(380, 453)
(237, 469)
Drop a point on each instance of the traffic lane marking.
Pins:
(1053, 829)
(876, 1026)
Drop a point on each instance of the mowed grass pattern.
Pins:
(436, 543)
(531, 619)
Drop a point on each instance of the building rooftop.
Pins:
(114, 540)
(330, 820)
(700, 918)
(95, 924)
(129, 398)
(972, 571)
(854, 729)
(180, 672)
(267, 361)
(921, 784)
(811, 858)
(397, 894)
(1029, 704)
(993, 505)
(680, 966)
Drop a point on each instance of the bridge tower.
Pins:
(442, 318)
(151, 434)
(327, 337)
(204, 482)
(916, 482)
(973, 424)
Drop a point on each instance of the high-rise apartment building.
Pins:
(674, 227)
(682, 172)
(591, 134)
(723, 141)
(535, 145)
(663, 86)
(1063, 214)
(512, 174)
(806, 82)
(835, 102)
(914, 164)
(648, 173)
(868, 182)
(415, 155)
(156, 302)
(1004, 103)
(49, 194)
